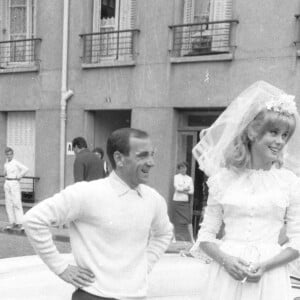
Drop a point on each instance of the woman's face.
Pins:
(268, 148)
(182, 170)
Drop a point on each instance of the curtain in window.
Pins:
(195, 11)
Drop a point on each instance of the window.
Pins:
(210, 37)
(205, 28)
(17, 31)
(113, 31)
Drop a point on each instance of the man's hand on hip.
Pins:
(77, 276)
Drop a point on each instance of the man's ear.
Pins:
(119, 159)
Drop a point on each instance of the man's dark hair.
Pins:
(182, 164)
(119, 141)
(80, 142)
(8, 149)
(100, 151)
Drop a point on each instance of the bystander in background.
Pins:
(13, 172)
(99, 152)
(87, 166)
(182, 204)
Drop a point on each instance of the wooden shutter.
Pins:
(188, 17)
(95, 42)
(127, 21)
(96, 15)
(188, 11)
(21, 137)
(127, 14)
(220, 10)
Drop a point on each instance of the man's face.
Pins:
(136, 166)
(9, 155)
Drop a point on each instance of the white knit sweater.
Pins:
(116, 232)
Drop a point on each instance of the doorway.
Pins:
(191, 123)
(107, 121)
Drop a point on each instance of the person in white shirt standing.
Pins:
(13, 172)
(182, 210)
(119, 226)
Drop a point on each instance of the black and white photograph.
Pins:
(149, 150)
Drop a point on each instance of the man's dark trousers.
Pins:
(82, 295)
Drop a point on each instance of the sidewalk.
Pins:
(59, 234)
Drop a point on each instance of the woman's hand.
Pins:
(255, 272)
(235, 267)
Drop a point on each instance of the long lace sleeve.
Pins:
(293, 216)
(213, 213)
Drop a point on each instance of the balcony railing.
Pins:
(203, 38)
(20, 52)
(109, 45)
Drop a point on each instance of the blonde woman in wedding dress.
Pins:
(251, 155)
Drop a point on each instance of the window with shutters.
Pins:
(205, 29)
(18, 43)
(114, 31)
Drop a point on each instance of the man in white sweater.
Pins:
(119, 226)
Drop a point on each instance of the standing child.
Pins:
(13, 172)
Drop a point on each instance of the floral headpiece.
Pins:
(285, 104)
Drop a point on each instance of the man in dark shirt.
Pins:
(87, 166)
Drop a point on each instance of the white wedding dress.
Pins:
(253, 205)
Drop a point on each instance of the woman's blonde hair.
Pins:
(237, 155)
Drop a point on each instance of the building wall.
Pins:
(154, 86)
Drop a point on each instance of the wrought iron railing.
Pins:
(21, 52)
(202, 38)
(27, 184)
(109, 45)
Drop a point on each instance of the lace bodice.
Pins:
(253, 206)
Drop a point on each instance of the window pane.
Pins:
(108, 9)
(18, 2)
(18, 20)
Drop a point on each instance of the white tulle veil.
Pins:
(209, 152)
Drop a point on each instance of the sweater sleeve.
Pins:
(161, 233)
(62, 208)
(292, 215)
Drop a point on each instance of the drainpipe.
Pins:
(65, 95)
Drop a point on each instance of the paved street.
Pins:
(12, 244)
